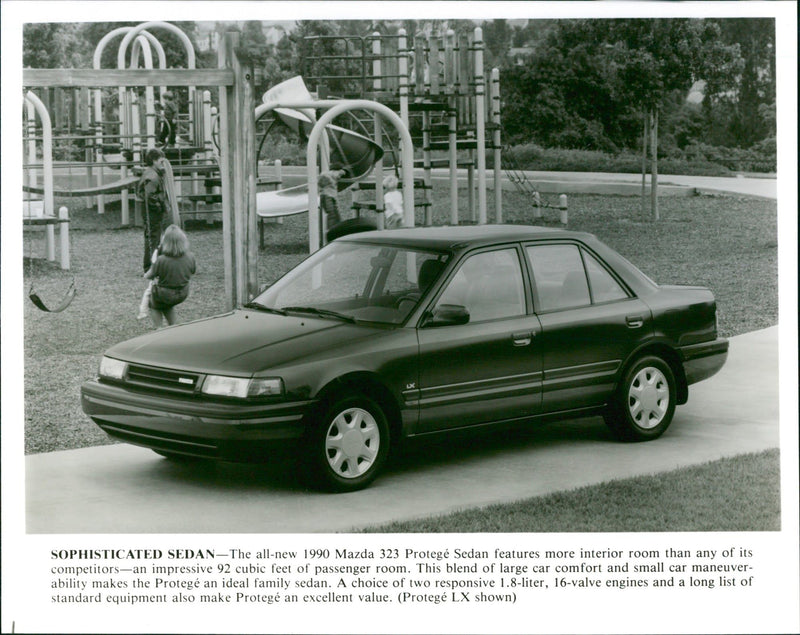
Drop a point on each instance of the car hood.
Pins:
(239, 343)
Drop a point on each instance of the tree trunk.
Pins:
(654, 176)
(646, 117)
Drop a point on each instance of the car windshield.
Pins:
(355, 281)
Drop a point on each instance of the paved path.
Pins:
(125, 489)
(610, 183)
(598, 182)
(564, 182)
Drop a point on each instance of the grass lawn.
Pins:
(726, 243)
(733, 494)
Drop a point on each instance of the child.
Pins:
(392, 203)
(170, 275)
(328, 196)
(152, 191)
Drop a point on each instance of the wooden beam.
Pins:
(95, 78)
(227, 124)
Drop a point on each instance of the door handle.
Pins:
(522, 339)
(634, 321)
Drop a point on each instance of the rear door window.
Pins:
(559, 277)
(603, 286)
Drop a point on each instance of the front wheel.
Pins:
(348, 445)
(644, 403)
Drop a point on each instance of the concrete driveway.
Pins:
(125, 489)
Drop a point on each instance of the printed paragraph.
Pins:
(391, 574)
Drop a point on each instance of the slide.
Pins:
(349, 150)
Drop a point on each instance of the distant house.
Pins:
(696, 92)
(520, 54)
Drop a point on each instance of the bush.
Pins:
(762, 157)
(290, 153)
(530, 156)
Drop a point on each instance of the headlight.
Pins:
(112, 368)
(242, 388)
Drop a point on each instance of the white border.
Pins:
(772, 611)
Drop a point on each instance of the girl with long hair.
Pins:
(170, 275)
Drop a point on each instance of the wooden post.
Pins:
(452, 145)
(562, 206)
(246, 149)
(380, 208)
(125, 141)
(241, 144)
(227, 123)
(498, 172)
(98, 157)
(63, 232)
(82, 116)
(450, 75)
(422, 92)
(480, 122)
(402, 62)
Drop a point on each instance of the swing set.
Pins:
(42, 212)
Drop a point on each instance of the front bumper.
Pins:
(194, 427)
(701, 361)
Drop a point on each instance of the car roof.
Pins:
(458, 237)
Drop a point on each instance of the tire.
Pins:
(347, 446)
(644, 403)
(350, 226)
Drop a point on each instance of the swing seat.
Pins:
(68, 297)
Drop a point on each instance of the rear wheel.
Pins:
(644, 404)
(348, 445)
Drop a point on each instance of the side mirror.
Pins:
(447, 315)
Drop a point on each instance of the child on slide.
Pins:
(392, 203)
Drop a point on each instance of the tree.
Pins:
(751, 118)
(657, 57)
(53, 45)
(497, 38)
(567, 94)
(253, 43)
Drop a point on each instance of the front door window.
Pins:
(489, 285)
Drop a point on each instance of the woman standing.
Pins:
(153, 193)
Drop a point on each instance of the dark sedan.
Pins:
(385, 335)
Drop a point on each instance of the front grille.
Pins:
(162, 379)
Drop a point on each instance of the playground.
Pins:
(86, 132)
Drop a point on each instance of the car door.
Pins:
(488, 369)
(590, 324)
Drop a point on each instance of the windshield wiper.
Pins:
(262, 307)
(320, 312)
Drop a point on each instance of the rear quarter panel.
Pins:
(684, 315)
